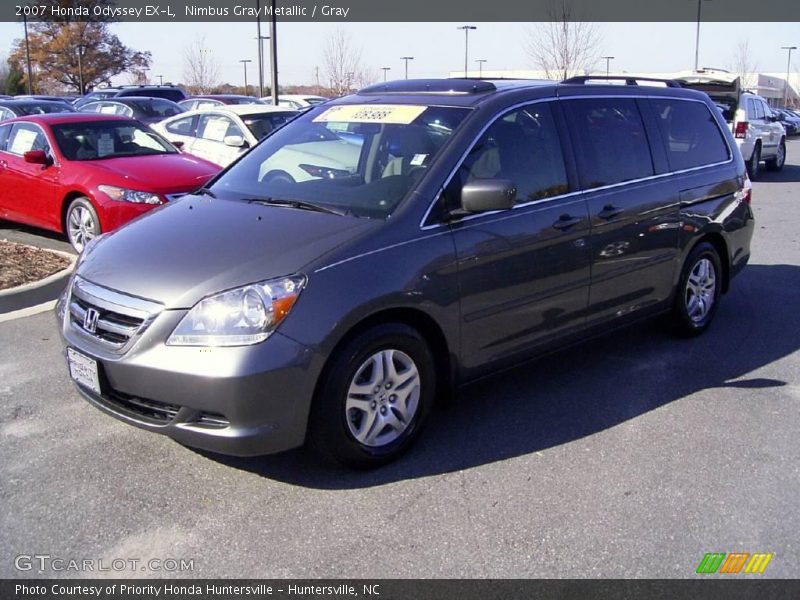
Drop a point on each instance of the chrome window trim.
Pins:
(115, 301)
(438, 194)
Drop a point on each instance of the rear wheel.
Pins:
(776, 164)
(698, 291)
(374, 397)
(82, 224)
(754, 164)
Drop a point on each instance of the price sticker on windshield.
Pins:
(395, 114)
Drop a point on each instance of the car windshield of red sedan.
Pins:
(100, 140)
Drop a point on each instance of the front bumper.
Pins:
(241, 401)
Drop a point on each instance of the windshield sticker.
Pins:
(108, 110)
(105, 145)
(419, 159)
(396, 114)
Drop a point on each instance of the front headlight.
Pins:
(126, 195)
(240, 317)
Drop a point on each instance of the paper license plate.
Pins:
(83, 370)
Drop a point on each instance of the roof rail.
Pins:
(628, 79)
(430, 86)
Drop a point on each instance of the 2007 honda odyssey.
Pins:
(384, 248)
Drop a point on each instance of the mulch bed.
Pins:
(22, 264)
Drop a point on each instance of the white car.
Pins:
(757, 131)
(222, 133)
(296, 100)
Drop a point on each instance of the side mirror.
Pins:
(37, 157)
(177, 144)
(235, 141)
(484, 195)
(773, 118)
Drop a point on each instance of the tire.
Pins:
(81, 224)
(753, 165)
(356, 420)
(776, 164)
(698, 292)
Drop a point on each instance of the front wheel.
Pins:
(698, 291)
(776, 164)
(82, 223)
(374, 397)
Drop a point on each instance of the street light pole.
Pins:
(80, 68)
(466, 29)
(244, 62)
(608, 60)
(273, 53)
(28, 55)
(697, 40)
(480, 62)
(260, 50)
(160, 79)
(406, 58)
(385, 71)
(788, 68)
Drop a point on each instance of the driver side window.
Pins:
(25, 137)
(523, 147)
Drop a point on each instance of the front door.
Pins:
(524, 272)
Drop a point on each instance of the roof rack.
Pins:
(145, 85)
(628, 79)
(456, 87)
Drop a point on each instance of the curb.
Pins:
(38, 292)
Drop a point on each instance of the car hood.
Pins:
(163, 173)
(196, 246)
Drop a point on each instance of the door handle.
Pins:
(610, 211)
(3, 164)
(566, 221)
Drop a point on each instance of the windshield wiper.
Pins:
(299, 204)
(204, 191)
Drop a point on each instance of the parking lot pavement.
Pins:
(631, 456)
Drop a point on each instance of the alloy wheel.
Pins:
(701, 287)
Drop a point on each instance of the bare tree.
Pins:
(341, 64)
(563, 46)
(137, 77)
(200, 69)
(743, 65)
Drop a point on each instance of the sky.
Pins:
(438, 48)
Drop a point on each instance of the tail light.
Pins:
(741, 130)
(746, 193)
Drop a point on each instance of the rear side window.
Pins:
(692, 136)
(181, 126)
(610, 140)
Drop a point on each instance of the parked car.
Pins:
(296, 100)
(19, 108)
(83, 174)
(169, 92)
(758, 134)
(146, 110)
(484, 223)
(65, 99)
(789, 120)
(214, 100)
(221, 134)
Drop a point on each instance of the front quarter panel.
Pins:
(417, 274)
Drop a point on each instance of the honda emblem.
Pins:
(90, 320)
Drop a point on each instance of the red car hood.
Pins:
(163, 173)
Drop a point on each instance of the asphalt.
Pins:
(631, 456)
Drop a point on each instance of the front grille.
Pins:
(107, 316)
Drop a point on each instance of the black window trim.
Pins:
(425, 226)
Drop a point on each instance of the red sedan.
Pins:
(84, 174)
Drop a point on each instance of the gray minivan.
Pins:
(383, 249)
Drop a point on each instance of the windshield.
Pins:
(360, 159)
(158, 107)
(97, 140)
(261, 124)
(43, 108)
